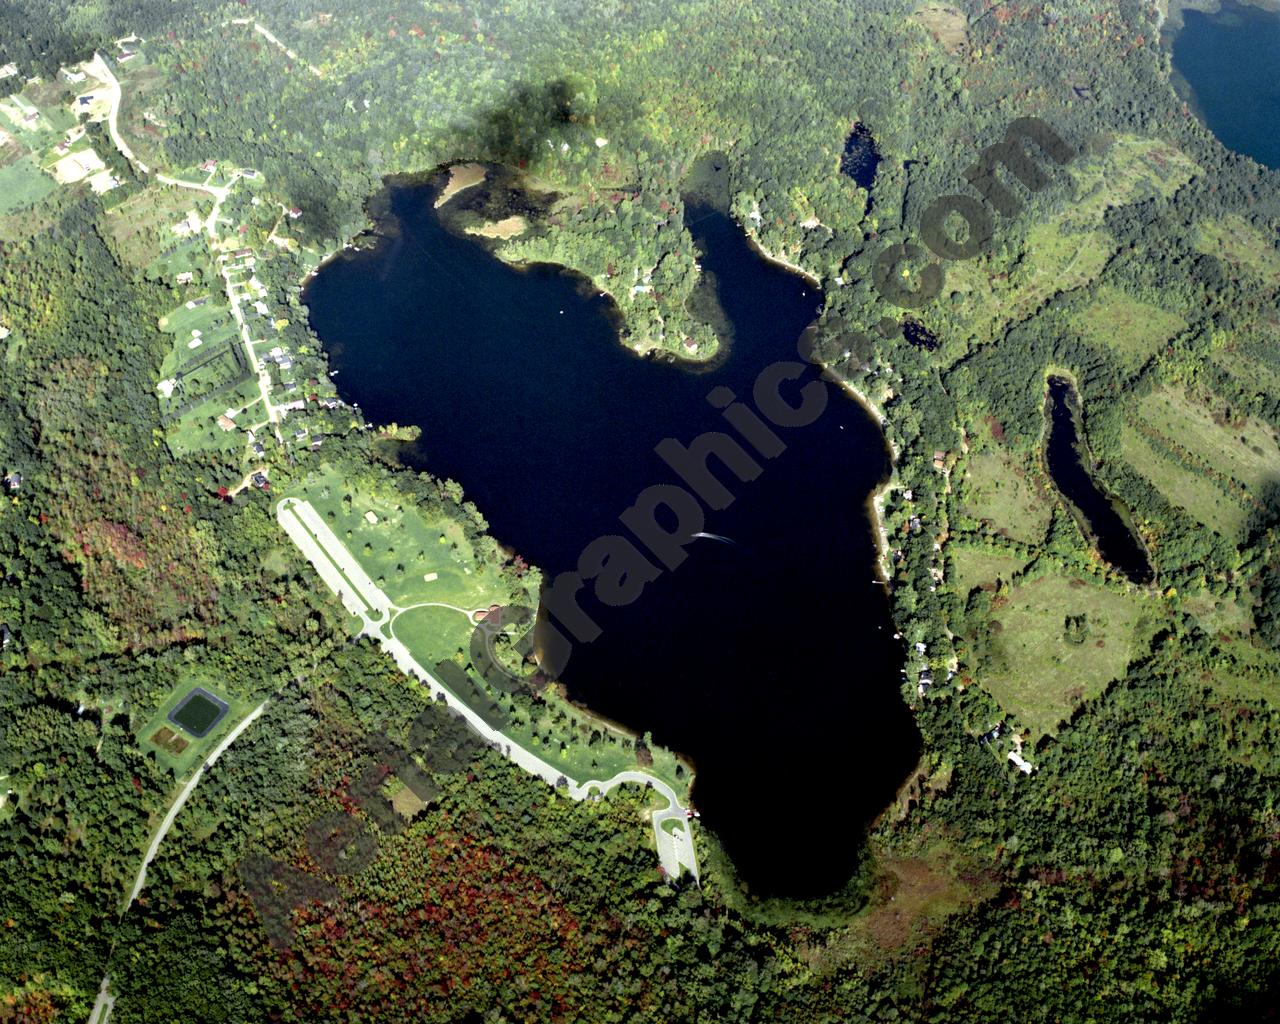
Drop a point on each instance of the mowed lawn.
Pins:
(401, 548)
(22, 185)
(185, 751)
(1000, 492)
(1046, 675)
(1132, 329)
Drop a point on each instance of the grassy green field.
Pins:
(183, 761)
(1241, 247)
(1068, 250)
(428, 568)
(196, 430)
(1000, 491)
(401, 548)
(977, 567)
(1132, 329)
(142, 226)
(23, 184)
(1046, 675)
(1195, 493)
(1239, 447)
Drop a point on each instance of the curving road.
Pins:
(343, 576)
(187, 790)
(99, 69)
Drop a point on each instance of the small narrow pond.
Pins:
(1115, 541)
(1230, 60)
(767, 656)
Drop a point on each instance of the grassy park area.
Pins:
(431, 572)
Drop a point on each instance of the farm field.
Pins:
(999, 491)
(1132, 329)
(980, 567)
(1195, 493)
(1045, 675)
(1236, 451)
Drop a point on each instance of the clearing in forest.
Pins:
(142, 227)
(1132, 329)
(187, 722)
(22, 185)
(981, 567)
(1056, 642)
(1069, 249)
(1241, 247)
(1238, 453)
(1000, 492)
(1195, 493)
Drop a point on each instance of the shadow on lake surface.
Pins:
(768, 660)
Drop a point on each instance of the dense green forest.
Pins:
(1131, 875)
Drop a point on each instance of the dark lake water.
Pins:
(768, 660)
(1231, 61)
(1115, 542)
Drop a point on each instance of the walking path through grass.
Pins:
(343, 575)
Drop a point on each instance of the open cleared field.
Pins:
(1241, 247)
(1132, 329)
(999, 491)
(177, 749)
(197, 430)
(1045, 675)
(1069, 249)
(142, 227)
(400, 548)
(1131, 170)
(978, 567)
(1237, 447)
(1195, 493)
(22, 185)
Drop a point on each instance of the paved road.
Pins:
(187, 790)
(104, 1004)
(99, 69)
(328, 554)
(246, 339)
